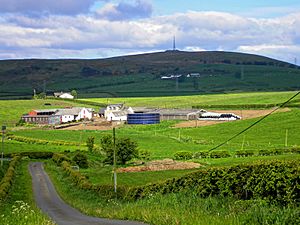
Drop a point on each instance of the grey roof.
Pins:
(71, 111)
(121, 113)
(45, 110)
(102, 110)
(178, 112)
(116, 105)
(143, 109)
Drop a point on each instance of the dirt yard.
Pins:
(158, 165)
(245, 114)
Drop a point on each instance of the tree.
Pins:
(90, 143)
(74, 93)
(126, 149)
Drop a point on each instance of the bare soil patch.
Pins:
(159, 165)
(245, 114)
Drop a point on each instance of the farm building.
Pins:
(179, 114)
(218, 116)
(143, 118)
(58, 116)
(66, 95)
(117, 112)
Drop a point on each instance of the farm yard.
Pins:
(271, 146)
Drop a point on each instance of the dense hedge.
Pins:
(7, 180)
(277, 181)
(59, 158)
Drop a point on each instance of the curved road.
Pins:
(48, 200)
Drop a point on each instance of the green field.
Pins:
(213, 99)
(163, 141)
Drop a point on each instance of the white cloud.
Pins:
(87, 35)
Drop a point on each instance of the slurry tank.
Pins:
(143, 118)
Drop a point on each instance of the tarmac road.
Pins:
(51, 204)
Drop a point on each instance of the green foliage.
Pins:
(59, 158)
(74, 93)
(7, 180)
(244, 153)
(90, 143)
(20, 123)
(201, 155)
(219, 154)
(81, 160)
(126, 149)
(275, 181)
(144, 155)
(183, 155)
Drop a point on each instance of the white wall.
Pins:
(67, 118)
(84, 114)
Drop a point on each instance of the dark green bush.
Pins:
(200, 155)
(276, 181)
(144, 155)
(59, 158)
(81, 160)
(219, 154)
(244, 153)
(264, 152)
(183, 155)
(7, 180)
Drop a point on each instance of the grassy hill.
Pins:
(139, 75)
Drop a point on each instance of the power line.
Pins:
(258, 121)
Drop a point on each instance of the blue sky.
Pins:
(105, 28)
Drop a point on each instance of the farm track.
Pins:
(51, 204)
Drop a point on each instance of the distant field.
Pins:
(213, 99)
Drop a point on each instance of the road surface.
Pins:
(51, 204)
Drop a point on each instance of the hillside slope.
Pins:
(139, 75)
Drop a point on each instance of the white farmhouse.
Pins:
(74, 114)
(117, 112)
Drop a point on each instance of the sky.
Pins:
(106, 28)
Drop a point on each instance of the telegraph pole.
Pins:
(2, 154)
(115, 163)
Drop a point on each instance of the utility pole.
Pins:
(2, 154)
(115, 163)
(286, 137)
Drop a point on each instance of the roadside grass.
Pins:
(184, 208)
(19, 207)
(208, 99)
(164, 141)
(3, 169)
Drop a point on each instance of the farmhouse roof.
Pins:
(57, 94)
(45, 110)
(72, 111)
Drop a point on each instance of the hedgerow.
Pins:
(7, 180)
(276, 181)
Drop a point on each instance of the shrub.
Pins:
(7, 180)
(144, 155)
(81, 160)
(264, 152)
(219, 154)
(200, 155)
(59, 158)
(90, 143)
(244, 153)
(183, 155)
